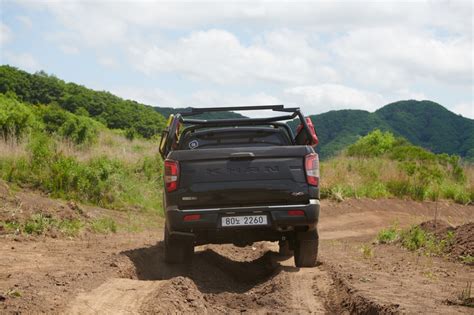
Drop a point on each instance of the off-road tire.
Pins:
(284, 249)
(177, 251)
(306, 251)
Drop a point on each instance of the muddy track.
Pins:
(220, 279)
(126, 274)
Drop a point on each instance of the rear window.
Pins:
(234, 138)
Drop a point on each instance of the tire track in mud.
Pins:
(221, 279)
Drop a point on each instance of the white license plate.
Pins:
(246, 220)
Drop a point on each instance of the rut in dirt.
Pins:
(254, 279)
(225, 278)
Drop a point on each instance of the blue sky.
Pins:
(322, 56)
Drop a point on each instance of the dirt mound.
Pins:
(437, 227)
(21, 206)
(179, 295)
(463, 243)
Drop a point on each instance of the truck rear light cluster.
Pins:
(296, 213)
(311, 163)
(191, 217)
(171, 175)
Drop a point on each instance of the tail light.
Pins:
(296, 213)
(311, 163)
(191, 217)
(171, 175)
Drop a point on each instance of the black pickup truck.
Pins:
(240, 181)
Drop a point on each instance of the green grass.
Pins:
(415, 238)
(71, 227)
(104, 225)
(13, 293)
(38, 224)
(468, 259)
(387, 236)
(367, 251)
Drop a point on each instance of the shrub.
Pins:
(413, 238)
(78, 129)
(387, 236)
(16, 119)
(37, 224)
(374, 144)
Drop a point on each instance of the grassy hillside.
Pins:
(423, 123)
(74, 157)
(382, 165)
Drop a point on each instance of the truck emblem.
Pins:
(189, 198)
(193, 144)
(296, 194)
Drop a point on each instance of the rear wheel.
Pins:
(306, 250)
(284, 249)
(177, 251)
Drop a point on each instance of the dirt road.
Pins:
(124, 273)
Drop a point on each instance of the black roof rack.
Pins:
(276, 108)
(295, 112)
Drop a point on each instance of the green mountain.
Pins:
(423, 123)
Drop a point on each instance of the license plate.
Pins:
(246, 220)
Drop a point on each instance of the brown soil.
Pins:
(124, 273)
(463, 242)
(439, 227)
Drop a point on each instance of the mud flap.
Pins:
(307, 236)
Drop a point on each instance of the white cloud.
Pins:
(22, 60)
(5, 34)
(25, 20)
(465, 108)
(454, 16)
(391, 57)
(108, 62)
(325, 97)
(219, 56)
(201, 98)
(69, 49)
(149, 96)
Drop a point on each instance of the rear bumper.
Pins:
(208, 228)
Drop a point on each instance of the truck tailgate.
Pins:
(240, 177)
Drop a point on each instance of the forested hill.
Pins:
(113, 111)
(423, 123)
